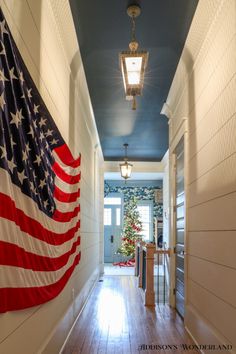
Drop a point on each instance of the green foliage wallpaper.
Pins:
(140, 192)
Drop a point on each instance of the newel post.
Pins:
(149, 292)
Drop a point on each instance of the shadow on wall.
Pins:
(191, 102)
(182, 108)
(23, 13)
(76, 67)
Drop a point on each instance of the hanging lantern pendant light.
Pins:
(126, 167)
(133, 62)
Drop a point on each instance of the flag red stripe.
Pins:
(64, 176)
(66, 157)
(67, 216)
(65, 197)
(8, 210)
(18, 298)
(16, 256)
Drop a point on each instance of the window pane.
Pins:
(112, 201)
(145, 216)
(145, 231)
(144, 211)
(107, 216)
(118, 216)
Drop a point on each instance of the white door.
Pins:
(112, 227)
(179, 228)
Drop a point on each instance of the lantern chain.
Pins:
(133, 38)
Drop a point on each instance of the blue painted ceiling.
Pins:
(103, 29)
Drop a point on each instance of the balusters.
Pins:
(144, 255)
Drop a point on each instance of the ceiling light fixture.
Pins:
(133, 62)
(126, 167)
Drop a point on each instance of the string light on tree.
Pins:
(131, 230)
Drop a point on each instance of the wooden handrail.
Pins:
(162, 251)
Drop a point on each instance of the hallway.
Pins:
(89, 128)
(115, 320)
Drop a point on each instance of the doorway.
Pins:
(113, 217)
(179, 228)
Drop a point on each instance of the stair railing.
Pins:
(144, 269)
(161, 253)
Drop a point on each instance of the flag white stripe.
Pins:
(66, 187)
(65, 207)
(16, 277)
(68, 169)
(15, 236)
(30, 208)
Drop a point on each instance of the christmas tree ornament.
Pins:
(131, 230)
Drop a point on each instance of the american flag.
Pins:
(39, 191)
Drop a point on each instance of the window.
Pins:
(145, 211)
(107, 216)
(113, 210)
(112, 201)
(117, 216)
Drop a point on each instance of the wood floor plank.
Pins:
(115, 321)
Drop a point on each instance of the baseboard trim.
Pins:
(61, 333)
(77, 317)
(193, 338)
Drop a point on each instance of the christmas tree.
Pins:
(131, 230)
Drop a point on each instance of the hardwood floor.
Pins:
(110, 269)
(115, 321)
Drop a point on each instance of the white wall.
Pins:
(45, 36)
(204, 92)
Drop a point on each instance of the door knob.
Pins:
(112, 238)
